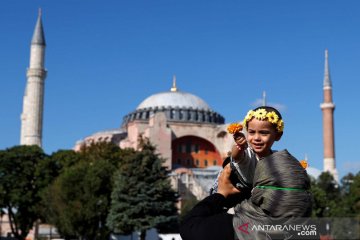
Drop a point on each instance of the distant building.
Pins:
(190, 135)
(183, 127)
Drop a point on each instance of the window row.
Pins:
(188, 162)
(189, 148)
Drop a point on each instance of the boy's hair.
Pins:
(277, 122)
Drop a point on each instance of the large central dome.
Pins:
(174, 99)
(178, 107)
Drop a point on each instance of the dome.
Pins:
(174, 99)
(178, 107)
(314, 172)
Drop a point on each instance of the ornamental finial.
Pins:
(174, 88)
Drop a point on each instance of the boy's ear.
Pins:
(278, 136)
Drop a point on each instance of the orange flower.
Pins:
(304, 164)
(234, 128)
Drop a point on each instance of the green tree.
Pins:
(142, 197)
(326, 196)
(352, 194)
(79, 199)
(22, 179)
(319, 201)
(327, 183)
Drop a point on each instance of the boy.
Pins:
(264, 126)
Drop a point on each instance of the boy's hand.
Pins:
(239, 146)
(225, 187)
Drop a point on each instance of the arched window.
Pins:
(172, 114)
(196, 148)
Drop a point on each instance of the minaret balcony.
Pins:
(36, 72)
(327, 105)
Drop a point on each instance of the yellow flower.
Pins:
(234, 128)
(249, 115)
(272, 117)
(244, 122)
(260, 114)
(280, 126)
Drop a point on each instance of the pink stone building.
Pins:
(182, 126)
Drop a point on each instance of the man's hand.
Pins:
(225, 187)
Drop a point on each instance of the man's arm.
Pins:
(208, 220)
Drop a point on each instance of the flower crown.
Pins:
(262, 114)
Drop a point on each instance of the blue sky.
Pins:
(104, 57)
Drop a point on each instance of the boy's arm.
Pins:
(238, 149)
(243, 161)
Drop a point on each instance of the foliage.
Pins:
(142, 197)
(22, 179)
(325, 193)
(79, 199)
(333, 200)
(352, 194)
(327, 183)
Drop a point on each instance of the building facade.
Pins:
(182, 126)
(190, 135)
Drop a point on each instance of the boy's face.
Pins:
(261, 135)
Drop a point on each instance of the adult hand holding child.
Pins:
(225, 186)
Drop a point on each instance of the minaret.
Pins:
(264, 98)
(33, 102)
(327, 108)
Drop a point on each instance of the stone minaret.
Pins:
(327, 108)
(32, 115)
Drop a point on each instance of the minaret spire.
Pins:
(328, 108)
(264, 98)
(38, 36)
(174, 88)
(327, 79)
(33, 102)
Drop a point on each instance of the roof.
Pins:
(174, 99)
(38, 36)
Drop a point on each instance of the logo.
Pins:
(286, 231)
(244, 228)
